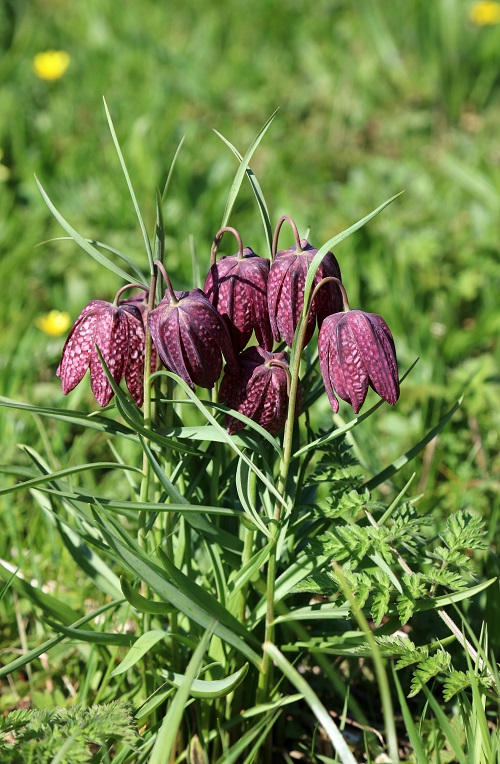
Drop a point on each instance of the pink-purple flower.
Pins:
(118, 332)
(356, 350)
(257, 388)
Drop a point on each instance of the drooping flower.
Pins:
(485, 13)
(119, 335)
(190, 336)
(54, 323)
(258, 389)
(285, 289)
(51, 64)
(356, 350)
(237, 287)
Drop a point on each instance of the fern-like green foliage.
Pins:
(38, 736)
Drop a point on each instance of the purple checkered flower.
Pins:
(285, 288)
(237, 287)
(258, 389)
(356, 350)
(190, 336)
(118, 332)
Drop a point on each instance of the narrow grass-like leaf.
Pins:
(140, 647)
(209, 689)
(130, 187)
(411, 729)
(94, 421)
(314, 703)
(240, 174)
(261, 729)
(88, 561)
(165, 739)
(81, 241)
(241, 482)
(92, 637)
(195, 516)
(319, 612)
(108, 248)
(172, 165)
(46, 602)
(159, 245)
(446, 727)
(226, 436)
(336, 432)
(435, 603)
(65, 473)
(250, 423)
(246, 573)
(206, 600)
(141, 603)
(388, 472)
(266, 220)
(153, 576)
(23, 660)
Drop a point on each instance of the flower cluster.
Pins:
(244, 295)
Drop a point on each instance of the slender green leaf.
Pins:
(92, 637)
(50, 605)
(413, 732)
(130, 187)
(64, 473)
(140, 647)
(166, 737)
(388, 472)
(81, 241)
(95, 243)
(171, 170)
(314, 703)
(141, 603)
(240, 174)
(23, 660)
(446, 727)
(209, 689)
(266, 220)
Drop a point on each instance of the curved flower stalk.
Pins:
(190, 336)
(356, 351)
(118, 332)
(236, 286)
(259, 389)
(286, 284)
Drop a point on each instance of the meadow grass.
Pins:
(371, 102)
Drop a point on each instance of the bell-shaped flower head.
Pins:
(285, 287)
(356, 350)
(190, 336)
(237, 287)
(258, 389)
(118, 332)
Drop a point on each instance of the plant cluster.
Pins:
(244, 531)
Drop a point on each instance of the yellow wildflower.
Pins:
(486, 12)
(54, 323)
(51, 64)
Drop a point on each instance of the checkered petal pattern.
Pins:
(119, 335)
(356, 350)
(237, 288)
(257, 389)
(285, 291)
(191, 338)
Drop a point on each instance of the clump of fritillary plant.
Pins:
(244, 295)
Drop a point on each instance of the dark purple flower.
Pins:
(285, 291)
(237, 287)
(356, 350)
(258, 389)
(191, 337)
(119, 335)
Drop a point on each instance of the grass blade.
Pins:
(313, 702)
(130, 187)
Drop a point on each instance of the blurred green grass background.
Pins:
(374, 98)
